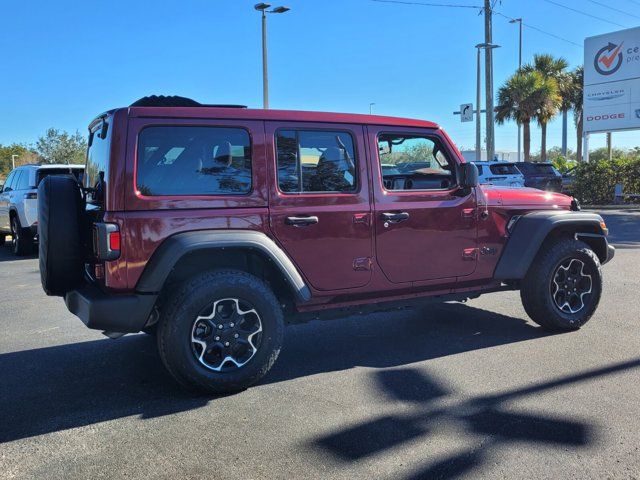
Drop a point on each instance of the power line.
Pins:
(558, 37)
(450, 5)
(614, 9)
(424, 4)
(584, 13)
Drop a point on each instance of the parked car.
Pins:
(567, 181)
(215, 226)
(18, 203)
(541, 175)
(504, 174)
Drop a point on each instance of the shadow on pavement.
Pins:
(6, 255)
(55, 388)
(485, 418)
(624, 228)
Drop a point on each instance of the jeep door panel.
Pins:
(328, 235)
(422, 235)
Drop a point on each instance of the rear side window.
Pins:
(480, 170)
(504, 169)
(315, 161)
(193, 161)
(23, 181)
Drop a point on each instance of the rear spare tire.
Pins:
(59, 226)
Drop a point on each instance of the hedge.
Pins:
(595, 181)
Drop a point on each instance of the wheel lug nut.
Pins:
(220, 327)
(226, 344)
(217, 338)
(236, 336)
(232, 325)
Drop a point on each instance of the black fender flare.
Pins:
(169, 253)
(531, 230)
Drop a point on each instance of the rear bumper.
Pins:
(116, 313)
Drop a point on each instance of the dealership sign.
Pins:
(612, 81)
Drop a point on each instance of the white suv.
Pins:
(503, 174)
(19, 203)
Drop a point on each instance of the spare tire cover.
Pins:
(59, 227)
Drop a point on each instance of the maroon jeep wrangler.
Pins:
(213, 226)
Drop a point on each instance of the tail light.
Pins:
(31, 196)
(106, 241)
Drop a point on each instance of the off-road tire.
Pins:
(536, 289)
(21, 240)
(60, 227)
(182, 308)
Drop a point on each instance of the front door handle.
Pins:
(395, 217)
(301, 221)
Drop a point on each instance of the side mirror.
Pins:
(468, 175)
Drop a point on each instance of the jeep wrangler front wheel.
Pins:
(562, 289)
(221, 331)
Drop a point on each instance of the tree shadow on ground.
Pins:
(485, 418)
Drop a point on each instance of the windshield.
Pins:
(97, 167)
(537, 168)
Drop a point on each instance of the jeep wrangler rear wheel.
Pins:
(221, 331)
(562, 289)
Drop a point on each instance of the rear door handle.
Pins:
(301, 221)
(395, 217)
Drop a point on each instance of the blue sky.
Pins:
(63, 62)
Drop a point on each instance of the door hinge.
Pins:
(362, 263)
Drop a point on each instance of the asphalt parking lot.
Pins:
(452, 391)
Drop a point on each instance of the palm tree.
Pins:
(525, 96)
(550, 68)
(575, 99)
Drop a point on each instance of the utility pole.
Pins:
(13, 161)
(487, 47)
(609, 146)
(519, 22)
(371, 108)
(488, 66)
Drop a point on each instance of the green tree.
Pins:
(522, 98)
(24, 155)
(60, 147)
(554, 70)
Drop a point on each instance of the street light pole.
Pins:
(519, 21)
(264, 9)
(265, 73)
(13, 161)
(478, 126)
(487, 47)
